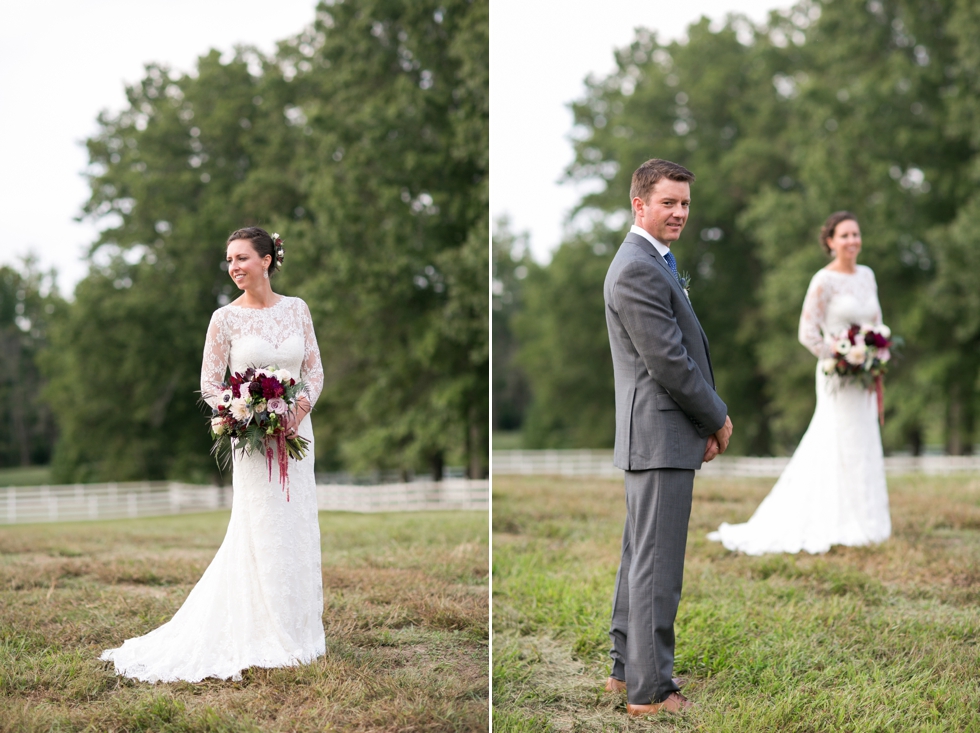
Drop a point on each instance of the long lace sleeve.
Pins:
(813, 318)
(877, 320)
(312, 372)
(215, 361)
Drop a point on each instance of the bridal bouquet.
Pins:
(250, 415)
(863, 353)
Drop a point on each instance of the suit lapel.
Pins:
(646, 246)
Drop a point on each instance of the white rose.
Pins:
(218, 425)
(884, 331)
(828, 365)
(239, 409)
(284, 376)
(856, 354)
(842, 346)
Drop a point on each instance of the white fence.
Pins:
(597, 463)
(79, 502)
(407, 497)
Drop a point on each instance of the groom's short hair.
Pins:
(650, 173)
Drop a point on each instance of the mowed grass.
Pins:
(405, 615)
(883, 638)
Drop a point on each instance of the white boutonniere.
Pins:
(685, 280)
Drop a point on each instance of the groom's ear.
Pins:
(635, 205)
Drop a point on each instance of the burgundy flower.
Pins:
(271, 388)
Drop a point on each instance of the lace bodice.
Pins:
(833, 302)
(281, 336)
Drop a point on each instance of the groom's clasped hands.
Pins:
(718, 442)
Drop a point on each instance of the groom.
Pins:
(668, 420)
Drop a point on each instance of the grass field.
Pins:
(883, 638)
(405, 614)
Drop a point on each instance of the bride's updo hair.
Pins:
(261, 242)
(829, 226)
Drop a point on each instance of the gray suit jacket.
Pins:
(666, 404)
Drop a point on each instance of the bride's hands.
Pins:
(296, 416)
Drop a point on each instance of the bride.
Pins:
(833, 490)
(260, 602)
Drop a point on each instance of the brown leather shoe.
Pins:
(614, 685)
(675, 703)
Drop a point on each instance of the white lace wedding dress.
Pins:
(833, 490)
(260, 602)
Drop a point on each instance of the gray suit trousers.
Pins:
(648, 582)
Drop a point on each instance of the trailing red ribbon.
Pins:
(880, 391)
(283, 462)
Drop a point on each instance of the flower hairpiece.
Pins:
(280, 254)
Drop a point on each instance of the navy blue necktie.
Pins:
(672, 264)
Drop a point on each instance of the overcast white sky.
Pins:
(61, 63)
(541, 52)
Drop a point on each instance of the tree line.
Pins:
(363, 141)
(866, 105)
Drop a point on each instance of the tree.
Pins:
(867, 135)
(708, 104)
(867, 106)
(564, 350)
(172, 174)
(393, 239)
(363, 142)
(511, 265)
(29, 302)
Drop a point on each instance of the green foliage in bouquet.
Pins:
(250, 413)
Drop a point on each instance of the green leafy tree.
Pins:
(866, 106)
(868, 103)
(511, 265)
(363, 142)
(564, 350)
(172, 174)
(29, 302)
(393, 241)
(710, 105)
